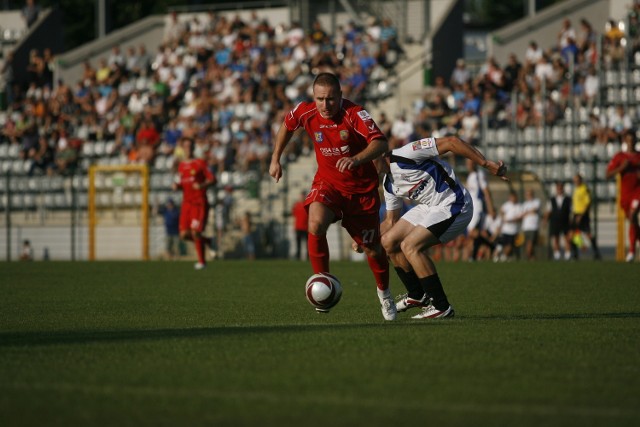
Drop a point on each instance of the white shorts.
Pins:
(435, 218)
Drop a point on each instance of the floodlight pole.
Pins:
(7, 215)
(101, 18)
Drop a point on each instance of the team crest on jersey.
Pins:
(364, 115)
(318, 136)
(344, 134)
(423, 143)
(192, 171)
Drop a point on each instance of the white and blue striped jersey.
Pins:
(419, 175)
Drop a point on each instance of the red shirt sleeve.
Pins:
(615, 162)
(363, 123)
(292, 120)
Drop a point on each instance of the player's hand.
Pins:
(356, 247)
(498, 169)
(346, 163)
(196, 186)
(275, 170)
(174, 186)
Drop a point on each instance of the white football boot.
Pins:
(387, 304)
(404, 302)
(431, 312)
(199, 266)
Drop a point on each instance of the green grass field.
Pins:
(116, 343)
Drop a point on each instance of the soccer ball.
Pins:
(323, 291)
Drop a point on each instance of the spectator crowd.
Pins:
(223, 81)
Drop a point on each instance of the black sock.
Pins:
(594, 246)
(411, 282)
(433, 288)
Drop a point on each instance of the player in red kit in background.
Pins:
(345, 187)
(627, 164)
(195, 178)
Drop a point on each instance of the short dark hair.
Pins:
(327, 79)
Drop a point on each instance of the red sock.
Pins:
(199, 244)
(318, 249)
(380, 268)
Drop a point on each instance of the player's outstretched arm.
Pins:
(611, 172)
(457, 146)
(282, 139)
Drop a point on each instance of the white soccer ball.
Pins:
(323, 291)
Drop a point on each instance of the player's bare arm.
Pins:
(282, 139)
(457, 146)
(375, 149)
(613, 172)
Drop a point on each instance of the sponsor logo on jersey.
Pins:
(417, 189)
(328, 126)
(319, 137)
(423, 143)
(330, 151)
(344, 134)
(364, 115)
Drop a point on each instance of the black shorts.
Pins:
(557, 229)
(583, 224)
(507, 239)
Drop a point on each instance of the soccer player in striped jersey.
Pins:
(444, 209)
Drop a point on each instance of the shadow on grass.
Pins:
(32, 339)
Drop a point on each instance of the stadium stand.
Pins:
(226, 81)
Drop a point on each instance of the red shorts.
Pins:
(193, 217)
(359, 212)
(631, 203)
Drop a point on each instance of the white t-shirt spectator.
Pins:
(531, 220)
(510, 218)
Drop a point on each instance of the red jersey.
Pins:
(344, 135)
(194, 171)
(629, 180)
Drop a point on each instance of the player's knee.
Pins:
(408, 248)
(389, 243)
(317, 227)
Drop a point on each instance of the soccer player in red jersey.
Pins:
(627, 164)
(195, 178)
(345, 187)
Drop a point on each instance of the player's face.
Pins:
(187, 146)
(327, 100)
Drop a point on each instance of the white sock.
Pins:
(384, 294)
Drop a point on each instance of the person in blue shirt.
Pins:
(171, 216)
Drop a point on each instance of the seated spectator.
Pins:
(618, 122)
(66, 155)
(460, 74)
(42, 158)
(533, 53)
